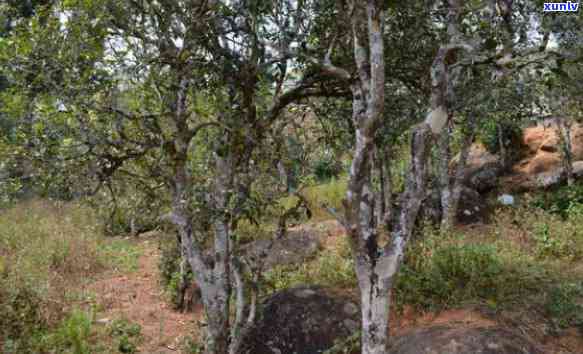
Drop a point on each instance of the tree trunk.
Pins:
(217, 330)
(445, 190)
(212, 277)
(450, 211)
(375, 301)
(377, 265)
(564, 129)
(388, 188)
(504, 158)
(217, 299)
(381, 206)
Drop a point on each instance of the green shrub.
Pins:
(127, 334)
(452, 274)
(170, 274)
(349, 345)
(21, 315)
(564, 201)
(444, 272)
(557, 238)
(319, 197)
(192, 346)
(73, 335)
(326, 168)
(134, 209)
(564, 305)
(490, 130)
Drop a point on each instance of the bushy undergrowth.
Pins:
(544, 234)
(444, 271)
(47, 252)
(565, 306)
(320, 197)
(564, 201)
(333, 267)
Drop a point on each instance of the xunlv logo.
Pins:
(561, 6)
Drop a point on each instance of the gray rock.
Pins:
(295, 247)
(485, 177)
(303, 320)
(450, 340)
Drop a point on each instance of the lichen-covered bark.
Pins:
(564, 130)
(450, 206)
(376, 265)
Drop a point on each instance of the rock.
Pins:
(482, 169)
(296, 247)
(350, 309)
(471, 207)
(543, 162)
(506, 199)
(549, 178)
(544, 150)
(442, 339)
(103, 321)
(302, 320)
(484, 178)
(578, 169)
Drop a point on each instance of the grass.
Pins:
(333, 267)
(48, 252)
(321, 196)
(445, 271)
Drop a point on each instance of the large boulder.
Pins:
(302, 320)
(544, 150)
(296, 247)
(484, 178)
(521, 182)
(450, 340)
(482, 168)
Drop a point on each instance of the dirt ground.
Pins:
(138, 298)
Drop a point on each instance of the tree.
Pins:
(377, 259)
(184, 93)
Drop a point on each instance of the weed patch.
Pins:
(48, 252)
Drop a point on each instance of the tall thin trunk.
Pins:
(564, 130)
(381, 206)
(450, 211)
(388, 188)
(443, 159)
